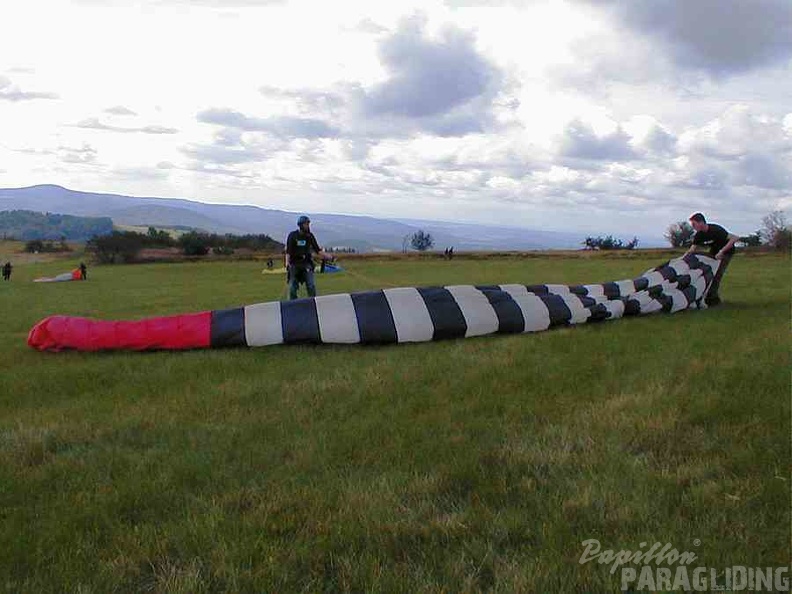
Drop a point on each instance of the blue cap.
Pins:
(303, 219)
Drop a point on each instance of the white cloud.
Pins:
(444, 85)
(581, 141)
(83, 155)
(720, 37)
(279, 126)
(529, 112)
(11, 92)
(647, 134)
(737, 131)
(120, 110)
(96, 124)
(764, 171)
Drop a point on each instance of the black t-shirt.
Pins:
(299, 246)
(715, 237)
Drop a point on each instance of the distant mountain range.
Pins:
(360, 232)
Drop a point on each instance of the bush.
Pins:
(194, 244)
(609, 243)
(421, 241)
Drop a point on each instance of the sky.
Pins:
(593, 115)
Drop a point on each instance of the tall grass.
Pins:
(462, 466)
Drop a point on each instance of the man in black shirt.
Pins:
(721, 247)
(300, 245)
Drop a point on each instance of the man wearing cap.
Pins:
(300, 245)
(721, 247)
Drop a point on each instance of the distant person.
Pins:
(7, 271)
(83, 271)
(721, 247)
(270, 264)
(300, 246)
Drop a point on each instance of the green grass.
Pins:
(462, 466)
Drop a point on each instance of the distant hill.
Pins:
(360, 232)
(166, 216)
(27, 225)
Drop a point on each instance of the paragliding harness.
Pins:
(299, 271)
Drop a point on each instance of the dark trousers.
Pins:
(715, 286)
(299, 274)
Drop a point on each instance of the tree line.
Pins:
(28, 225)
(39, 246)
(121, 247)
(609, 243)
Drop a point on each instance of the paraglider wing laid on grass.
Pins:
(394, 315)
(75, 274)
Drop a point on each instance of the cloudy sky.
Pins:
(591, 115)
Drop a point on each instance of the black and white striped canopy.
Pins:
(436, 313)
(394, 315)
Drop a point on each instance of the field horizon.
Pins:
(471, 465)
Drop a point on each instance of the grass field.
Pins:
(462, 466)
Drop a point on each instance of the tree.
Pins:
(680, 234)
(610, 243)
(34, 246)
(29, 225)
(117, 247)
(405, 243)
(194, 244)
(158, 237)
(421, 241)
(775, 231)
